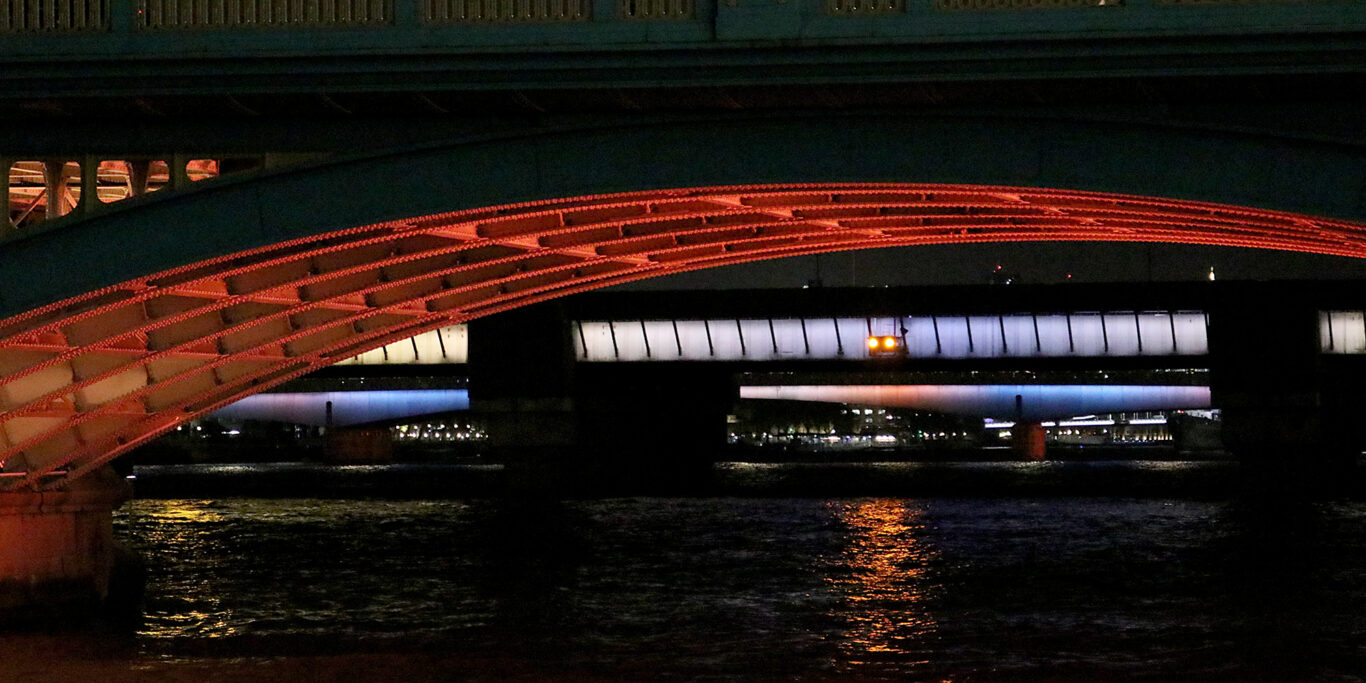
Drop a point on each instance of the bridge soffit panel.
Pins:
(266, 288)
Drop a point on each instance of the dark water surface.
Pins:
(956, 587)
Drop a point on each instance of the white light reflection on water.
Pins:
(887, 583)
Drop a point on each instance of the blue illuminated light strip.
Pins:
(1011, 401)
(348, 407)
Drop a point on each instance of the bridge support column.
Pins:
(658, 427)
(1027, 441)
(559, 426)
(1265, 378)
(58, 559)
(521, 371)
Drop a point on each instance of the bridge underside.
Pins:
(89, 377)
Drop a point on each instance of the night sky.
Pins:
(1028, 262)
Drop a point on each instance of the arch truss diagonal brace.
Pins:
(85, 379)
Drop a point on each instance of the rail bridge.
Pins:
(842, 334)
(603, 371)
(212, 197)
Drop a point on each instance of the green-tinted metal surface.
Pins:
(726, 42)
(229, 215)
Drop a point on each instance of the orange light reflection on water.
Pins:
(193, 606)
(887, 583)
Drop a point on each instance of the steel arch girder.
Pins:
(248, 301)
(165, 231)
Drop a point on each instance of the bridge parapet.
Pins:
(132, 31)
(55, 191)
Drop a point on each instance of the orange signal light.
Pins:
(882, 345)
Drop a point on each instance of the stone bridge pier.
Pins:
(1288, 409)
(58, 558)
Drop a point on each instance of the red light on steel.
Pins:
(85, 379)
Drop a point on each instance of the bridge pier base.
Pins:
(535, 439)
(58, 558)
(604, 443)
(1027, 441)
(358, 446)
(1290, 451)
(653, 432)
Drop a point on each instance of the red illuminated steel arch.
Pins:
(86, 379)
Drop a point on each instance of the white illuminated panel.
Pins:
(1121, 334)
(595, 340)
(758, 339)
(853, 337)
(1088, 335)
(445, 345)
(631, 339)
(1054, 337)
(791, 343)
(1192, 333)
(725, 340)
(1155, 329)
(1018, 334)
(1095, 334)
(953, 336)
(660, 334)
(820, 333)
(1342, 332)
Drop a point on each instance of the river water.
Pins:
(1018, 583)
